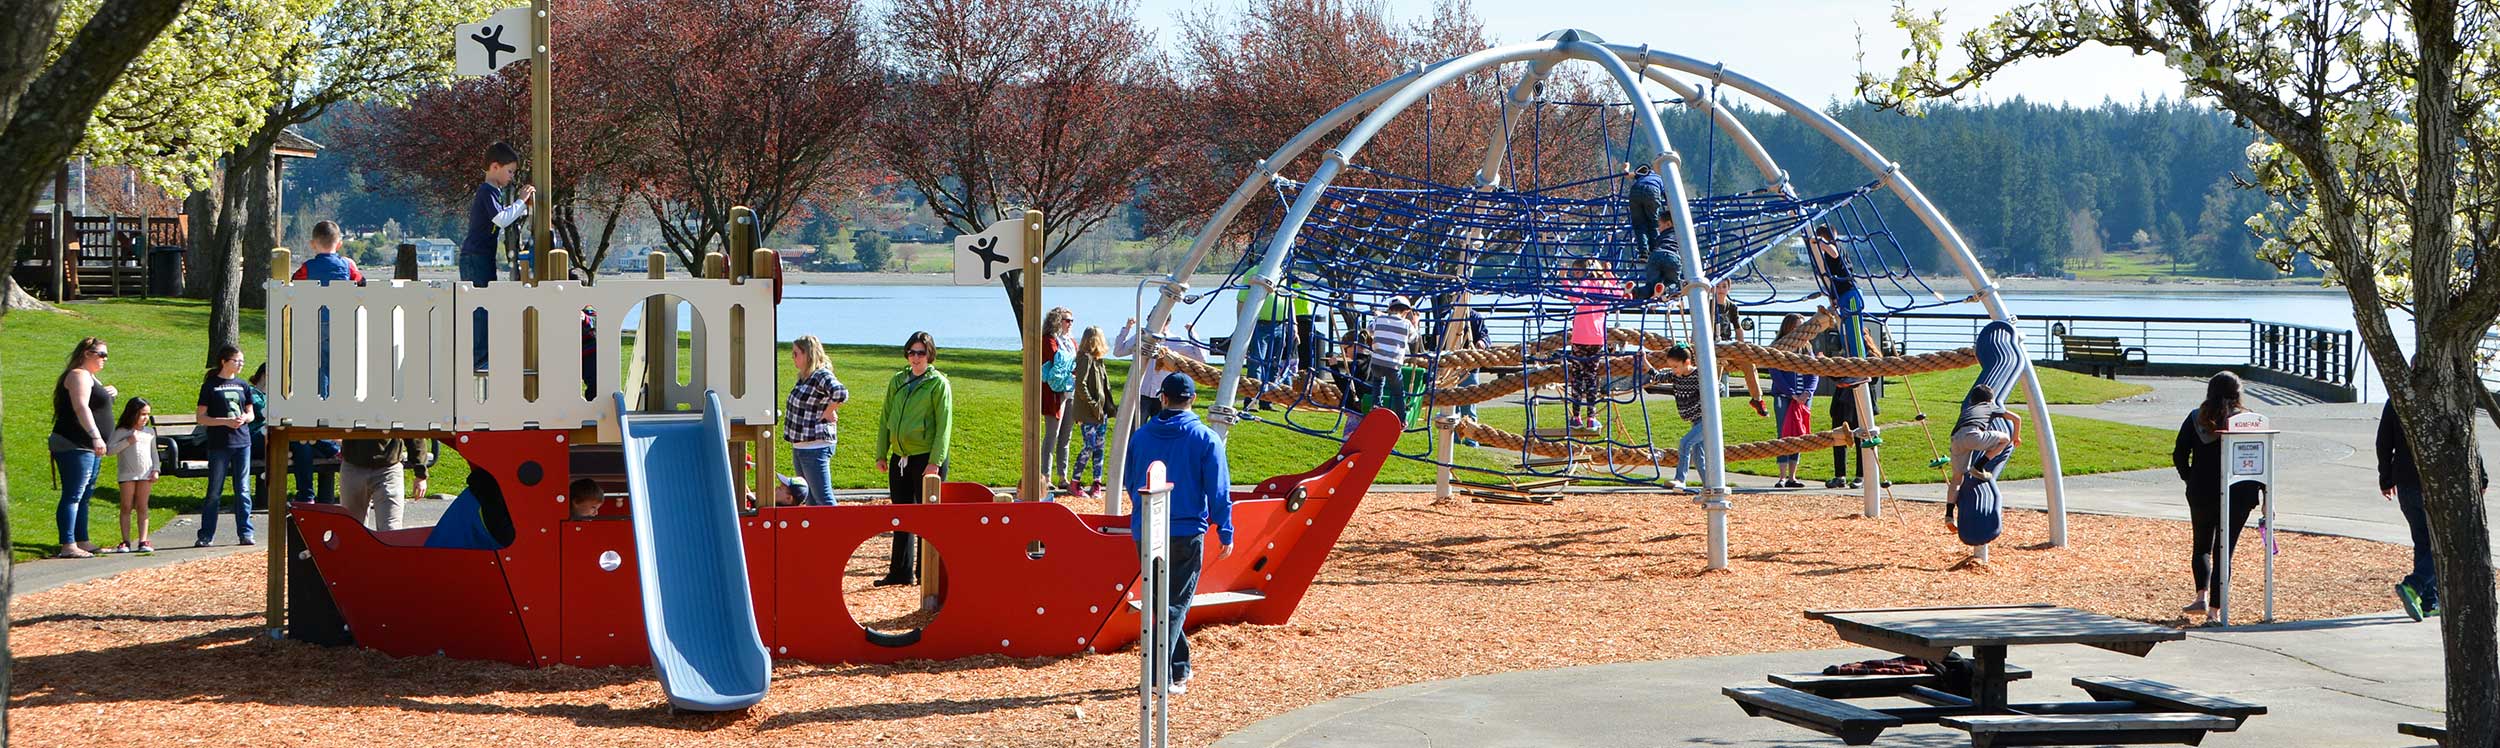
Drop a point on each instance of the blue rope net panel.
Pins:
(1508, 256)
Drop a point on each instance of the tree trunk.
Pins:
(246, 172)
(225, 260)
(1013, 281)
(2440, 421)
(260, 223)
(8, 587)
(205, 257)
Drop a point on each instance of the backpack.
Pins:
(1059, 373)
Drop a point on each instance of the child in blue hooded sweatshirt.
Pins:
(1202, 497)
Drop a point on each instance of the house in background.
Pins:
(435, 252)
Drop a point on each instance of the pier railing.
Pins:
(2324, 363)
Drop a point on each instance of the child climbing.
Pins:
(1590, 291)
(1650, 225)
(1975, 433)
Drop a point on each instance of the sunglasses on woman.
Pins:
(916, 352)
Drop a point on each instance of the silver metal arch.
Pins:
(1654, 64)
(1982, 288)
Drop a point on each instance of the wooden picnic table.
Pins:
(2121, 710)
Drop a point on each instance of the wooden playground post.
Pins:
(542, 136)
(1030, 487)
(273, 488)
(932, 577)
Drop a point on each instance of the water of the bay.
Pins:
(979, 317)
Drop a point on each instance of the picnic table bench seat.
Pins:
(1854, 725)
(2437, 734)
(2165, 696)
(2184, 728)
(1858, 686)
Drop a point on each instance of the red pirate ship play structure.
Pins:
(721, 587)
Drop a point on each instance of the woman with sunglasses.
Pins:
(82, 406)
(912, 438)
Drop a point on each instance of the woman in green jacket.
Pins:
(912, 438)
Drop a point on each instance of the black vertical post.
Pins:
(404, 264)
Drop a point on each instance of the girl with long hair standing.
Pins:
(813, 426)
(2197, 454)
(1091, 407)
(225, 411)
(134, 439)
(1058, 379)
(81, 407)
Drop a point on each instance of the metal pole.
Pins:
(1154, 620)
(2265, 546)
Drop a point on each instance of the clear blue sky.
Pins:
(1806, 48)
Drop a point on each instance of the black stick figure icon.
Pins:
(987, 248)
(491, 38)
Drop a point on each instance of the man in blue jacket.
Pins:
(1202, 497)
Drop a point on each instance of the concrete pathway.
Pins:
(2343, 682)
(173, 543)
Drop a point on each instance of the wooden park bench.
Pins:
(2189, 728)
(1861, 686)
(2437, 734)
(1854, 725)
(2100, 355)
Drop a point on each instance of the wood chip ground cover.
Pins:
(1415, 592)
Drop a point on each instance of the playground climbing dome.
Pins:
(1543, 231)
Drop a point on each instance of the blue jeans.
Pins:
(300, 458)
(1688, 451)
(78, 469)
(2425, 577)
(815, 465)
(225, 462)
(1188, 553)
(1271, 344)
(478, 269)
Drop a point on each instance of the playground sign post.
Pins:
(1015, 245)
(483, 48)
(1154, 548)
(2247, 456)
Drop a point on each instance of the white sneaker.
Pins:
(1676, 484)
(1180, 687)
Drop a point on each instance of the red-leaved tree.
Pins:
(1063, 106)
(760, 105)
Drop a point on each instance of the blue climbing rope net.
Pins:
(1509, 255)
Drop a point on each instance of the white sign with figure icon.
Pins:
(484, 48)
(981, 258)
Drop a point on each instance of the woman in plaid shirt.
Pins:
(811, 423)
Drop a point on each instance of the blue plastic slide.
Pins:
(2000, 363)
(695, 603)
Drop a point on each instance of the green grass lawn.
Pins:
(158, 345)
(2086, 445)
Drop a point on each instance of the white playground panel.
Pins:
(401, 352)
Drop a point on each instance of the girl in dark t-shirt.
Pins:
(225, 411)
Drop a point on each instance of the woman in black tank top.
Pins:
(82, 411)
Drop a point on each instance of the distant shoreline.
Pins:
(2026, 285)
